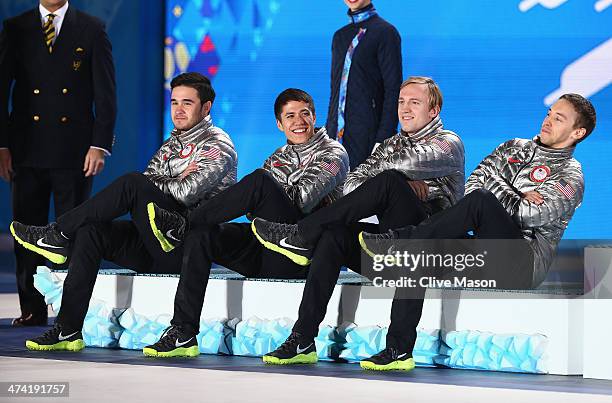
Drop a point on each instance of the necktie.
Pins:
(49, 32)
(344, 82)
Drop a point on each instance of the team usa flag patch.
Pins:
(331, 167)
(565, 188)
(211, 153)
(443, 144)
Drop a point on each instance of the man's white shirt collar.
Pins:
(59, 16)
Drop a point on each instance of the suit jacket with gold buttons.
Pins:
(62, 102)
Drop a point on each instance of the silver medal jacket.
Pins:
(521, 165)
(311, 173)
(433, 155)
(204, 144)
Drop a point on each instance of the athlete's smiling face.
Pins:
(413, 108)
(297, 122)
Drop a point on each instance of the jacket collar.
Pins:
(195, 131)
(314, 142)
(553, 153)
(362, 14)
(426, 132)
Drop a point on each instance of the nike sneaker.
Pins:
(57, 338)
(284, 239)
(389, 359)
(167, 226)
(174, 342)
(47, 241)
(297, 349)
(377, 244)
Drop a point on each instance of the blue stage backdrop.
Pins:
(500, 64)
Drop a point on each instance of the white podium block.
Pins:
(598, 312)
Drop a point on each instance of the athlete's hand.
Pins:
(192, 167)
(420, 189)
(533, 197)
(94, 162)
(6, 164)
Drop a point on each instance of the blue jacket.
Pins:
(373, 86)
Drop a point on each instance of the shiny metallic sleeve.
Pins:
(155, 167)
(562, 194)
(435, 158)
(487, 176)
(371, 167)
(277, 174)
(326, 172)
(209, 174)
(440, 156)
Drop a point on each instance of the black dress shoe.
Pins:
(28, 319)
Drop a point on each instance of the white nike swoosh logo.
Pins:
(182, 343)
(62, 338)
(301, 350)
(169, 235)
(286, 245)
(40, 242)
(402, 355)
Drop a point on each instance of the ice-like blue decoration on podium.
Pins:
(256, 337)
(427, 347)
(326, 342)
(49, 286)
(106, 326)
(211, 336)
(140, 331)
(101, 326)
(362, 342)
(469, 349)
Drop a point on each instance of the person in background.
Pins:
(366, 73)
(59, 63)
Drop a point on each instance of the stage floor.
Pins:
(97, 374)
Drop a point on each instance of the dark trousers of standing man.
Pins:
(96, 235)
(232, 245)
(31, 190)
(335, 231)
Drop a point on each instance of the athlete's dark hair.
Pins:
(198, 82)
(292, 94)
(587, 117)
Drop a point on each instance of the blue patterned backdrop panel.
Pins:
(500, 64)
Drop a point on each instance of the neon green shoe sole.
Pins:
(163, 242)
(192, 351)
(364, 247)
(53, 257)
(399, 365)
(310, 358)
(295, 258)
(76, 345)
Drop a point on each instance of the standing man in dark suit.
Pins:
(60, 127)
(366, 74)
